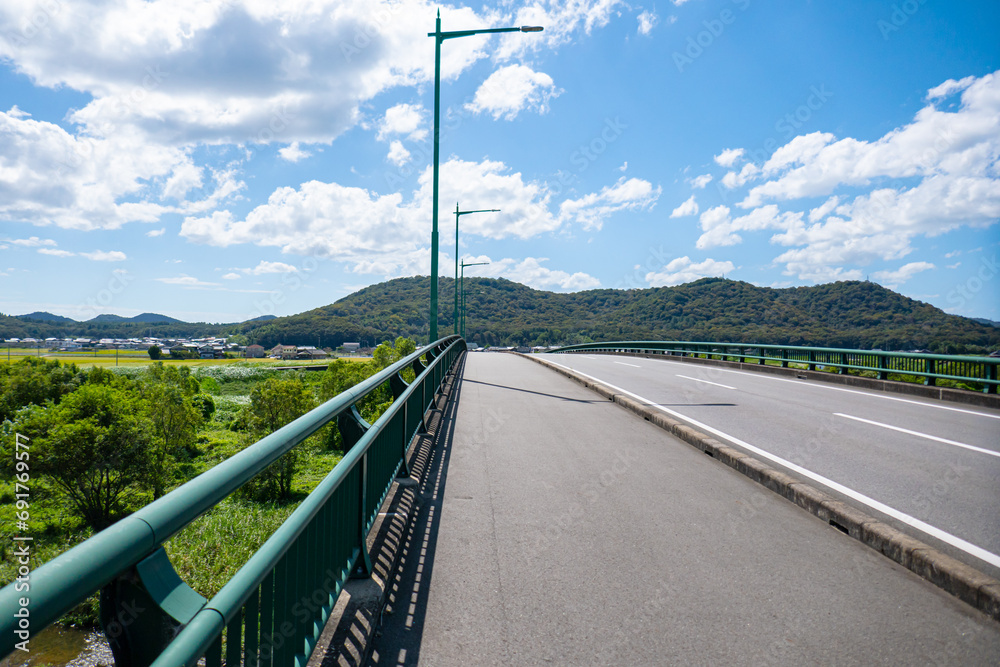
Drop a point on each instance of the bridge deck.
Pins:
(556, 528)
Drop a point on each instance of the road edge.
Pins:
(968, 584)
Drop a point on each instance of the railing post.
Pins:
(990, 374)
(930, 367)
(883, 369)
(144, 608)
(784, 357)
(398, 385)
(812, 360)
(363, 566)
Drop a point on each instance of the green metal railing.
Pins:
(273, 609)
(976, 371)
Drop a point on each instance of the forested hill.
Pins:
(500, 312)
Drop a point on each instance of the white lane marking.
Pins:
(823, 385)
(624, 364)
(953, 540)
(920, 435)
(726, 386)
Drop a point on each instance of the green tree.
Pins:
(33, 381)
(274, 403)
(155, 352)
(95, 448)
(169, 395)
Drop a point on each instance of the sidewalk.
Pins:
(553, 527)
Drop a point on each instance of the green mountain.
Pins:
(500, 312)
(42, 316)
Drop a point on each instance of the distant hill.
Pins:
(153, 318)
(42, 316)
(851, 314)
(106, 318)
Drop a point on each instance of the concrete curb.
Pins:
(965, 397)
(964, 582)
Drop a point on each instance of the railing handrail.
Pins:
(771, 346)
(71, 577)
(989, 365)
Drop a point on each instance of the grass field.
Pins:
(107, 358)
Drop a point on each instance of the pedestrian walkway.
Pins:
(553, 527)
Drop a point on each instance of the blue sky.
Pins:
(220, 160)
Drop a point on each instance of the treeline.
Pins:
(502, 313)
(20, 327)
(850, 314)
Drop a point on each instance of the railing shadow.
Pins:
(400, 636)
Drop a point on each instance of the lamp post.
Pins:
(438, 38)
(457, 214)
(463, 291)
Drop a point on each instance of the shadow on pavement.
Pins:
(400, 635)
(537, 393)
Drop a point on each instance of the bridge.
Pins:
(632, 503)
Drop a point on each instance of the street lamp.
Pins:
(457, 214)
(464, 264)
(438, 38)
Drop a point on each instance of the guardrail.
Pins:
(931, 367)
(273, 609)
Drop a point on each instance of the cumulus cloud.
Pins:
(530, 271)
(512, 89)
(893, 279)
(398, 155)
(33, 242)
(153, 233)
(699, 182)
(728, 157)
(54, 252)
(591, 210)
(102, 256)
(403, 119)
(185, 280)
(293, 152)
(232, 276)
(689, 207)
(647, 21)
(683, 270)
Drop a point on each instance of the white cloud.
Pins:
(721, 230)
(153, 233)
(530, 271)
(272, 267)
(728, 157)
(405, 119)
(647, 21)
(185, 280)
(293, 152)
(824, 209)
(512, 89)
(683, 270)
(734, 179)
(398, 155)
(699, 182)
(185, 177)
(33, 242)
(591, 210)
(950, 87)
(102, 256)
(231, 276)
(893, 279)
(689, 207)
(561, 20)
(56, 253)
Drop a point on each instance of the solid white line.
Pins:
(921, 435)
(823, 385)
(624, 364)
(957, 542)
(726, 386)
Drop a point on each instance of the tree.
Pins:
(274, 403)
(169, 404)
(95, 447)
(155, 352)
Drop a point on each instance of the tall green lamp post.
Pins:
(457, 214)
(438, 38)
(462, 283)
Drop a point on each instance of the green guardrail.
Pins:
(980, 371)
(274, 608)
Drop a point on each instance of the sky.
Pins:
(219, 160)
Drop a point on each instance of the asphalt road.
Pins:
(556, 528)
(930, 468)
